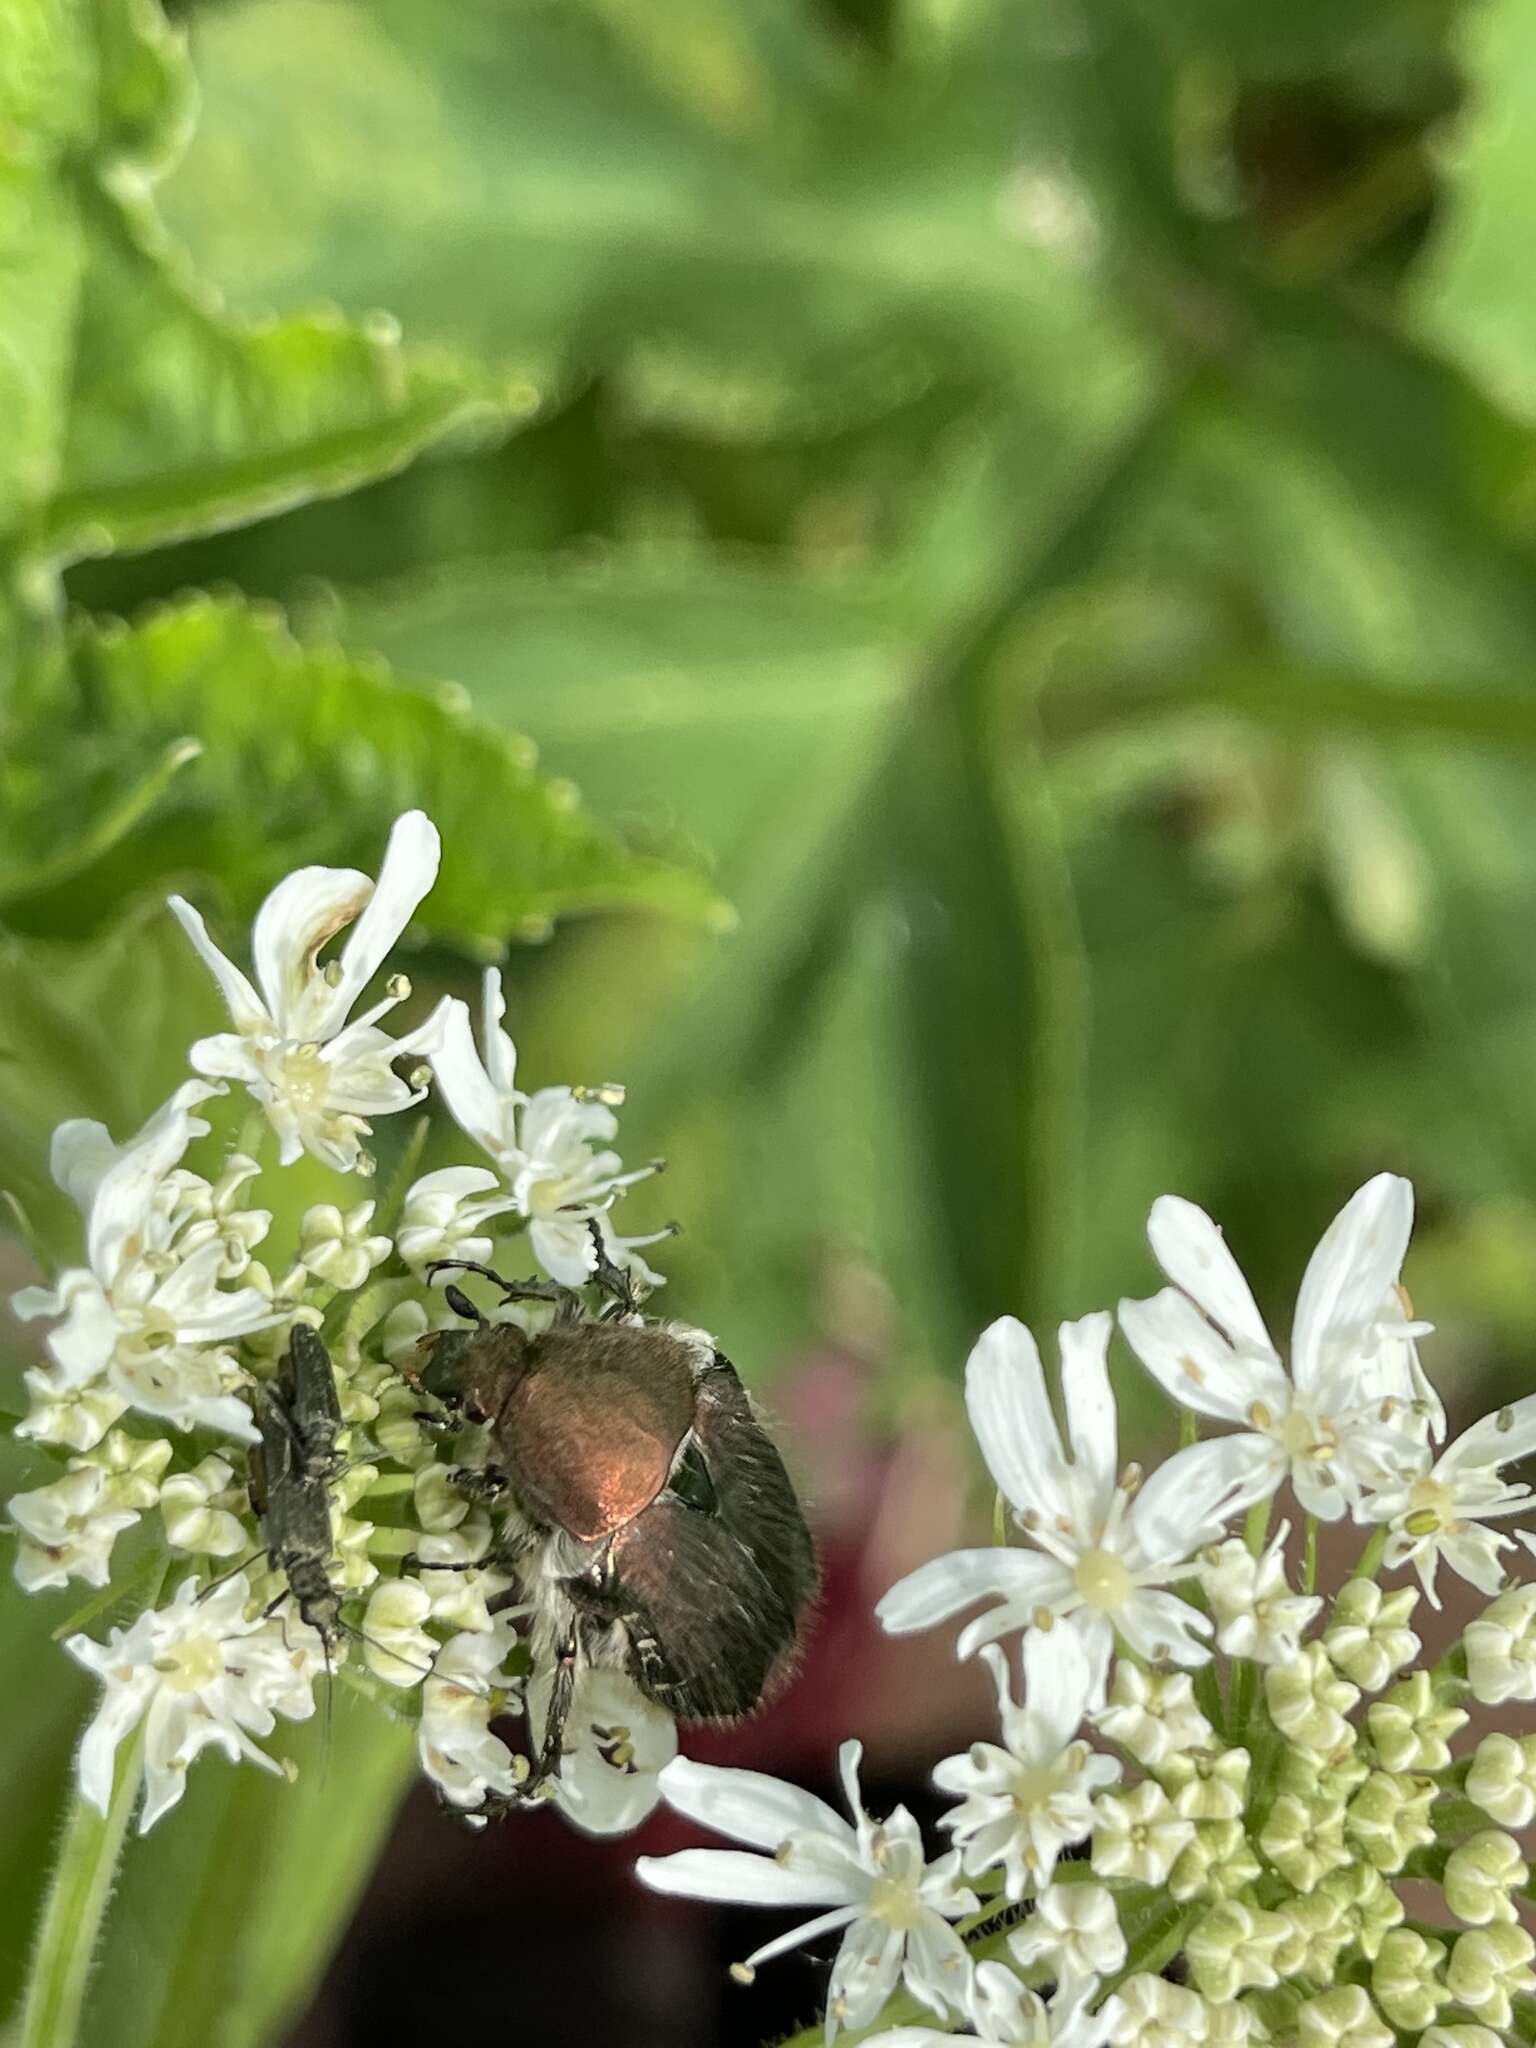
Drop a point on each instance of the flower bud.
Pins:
(1481, 1875)
(1502, 1779)
(1157, 2014)
(1232, 1949)
(1371, 1905)
(1501, 1649)
(1152, 1715)
(1410, 1729)
(1216, 1864)
(1137, 1834)
(337, 1248)
(1318, 1930)
(196, 1508)
(1388, 1819)
(1217, 1788)
(1308, 1702)
(1341, 2018)
(1460, 2037)
(396, 1646)
(1489, 1968)
(1075, 1928)
(1304, 1839)
(440, 1505)
(1406, 1979)
(1370, 1639)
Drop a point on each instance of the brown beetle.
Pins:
(656, 1527)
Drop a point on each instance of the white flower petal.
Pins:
(500, 1052)
(1090, 1403)
(1351, 1274)
(246, 1008)
(1193, 1253)
(749, 1806)
(300, 916)
(1011, 1415)
(1160, 1626)
(408, 872)
(471, 1096)
(945, 1585)
(120, 1205)
(1193, 1363)
(734, 1875)
(1191, 1496)
(1058, 1684)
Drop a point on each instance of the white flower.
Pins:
(1437, 1510)
(1156, 2014)
(396, 1647)
(617, 1744)
(1075, 1928)
(1355, 1402)
(68, 1530)
(1025, 1803)
(1099, 1550)
(196, 1509)
(1152, 1715)
(1007, 2014)
(459, 1596)
(1255, 1612)
(465, 1693)
(318, 1077)
(543, 1144)
(149, 1314)
(870, 1878)
(339, 1249)
(198, 1674)
(443, 1213)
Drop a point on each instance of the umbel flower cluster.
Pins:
(159, 1343)
(1223, 1804)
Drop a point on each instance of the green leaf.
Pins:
(226, 1912)
(306, 755)
(743, 221)
(132, 408)
(1474, 295)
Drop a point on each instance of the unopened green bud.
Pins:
(1481, 1875)
(1342, 2018)
(1388, 1819)
(1304, 1839)
(1489, 1968)
(1217, 1863)
(440, 1505)
(1370, 1639)
(396, 1430)
(1232, 1949)
(1406, 1978)
(1137, 1834)
(1411, 1729)
(1157, 2014)
(1152, 1715)
(1371, 1904)
(1318, 1930)
(1460, 2037)
(1502, 1779)
(1308, 1702)
(1217, 1789)
(1501, 1648)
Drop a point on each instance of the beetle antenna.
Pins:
(461, 1304)
(241, 1565)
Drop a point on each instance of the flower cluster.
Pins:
(162, 1346)
(1221, 1798)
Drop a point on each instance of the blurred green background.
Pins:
(1019, 523)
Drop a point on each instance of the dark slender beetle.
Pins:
(290, 1474)
(658, 1530)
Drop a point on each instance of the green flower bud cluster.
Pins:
(1300, 1813)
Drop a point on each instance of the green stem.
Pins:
(70, 1933)
(1370, 1558)
(1309, 1565)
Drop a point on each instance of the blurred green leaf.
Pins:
(745, 220)
(223, 1919)
(1474, 294)
(306, 754)
(134, 408)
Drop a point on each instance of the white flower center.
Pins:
(1303, 1435)
(1036, 1785)
(1431, 1506)
(895, 1902)
(304, 1079)
(1102, 1579)
(192, 1664)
